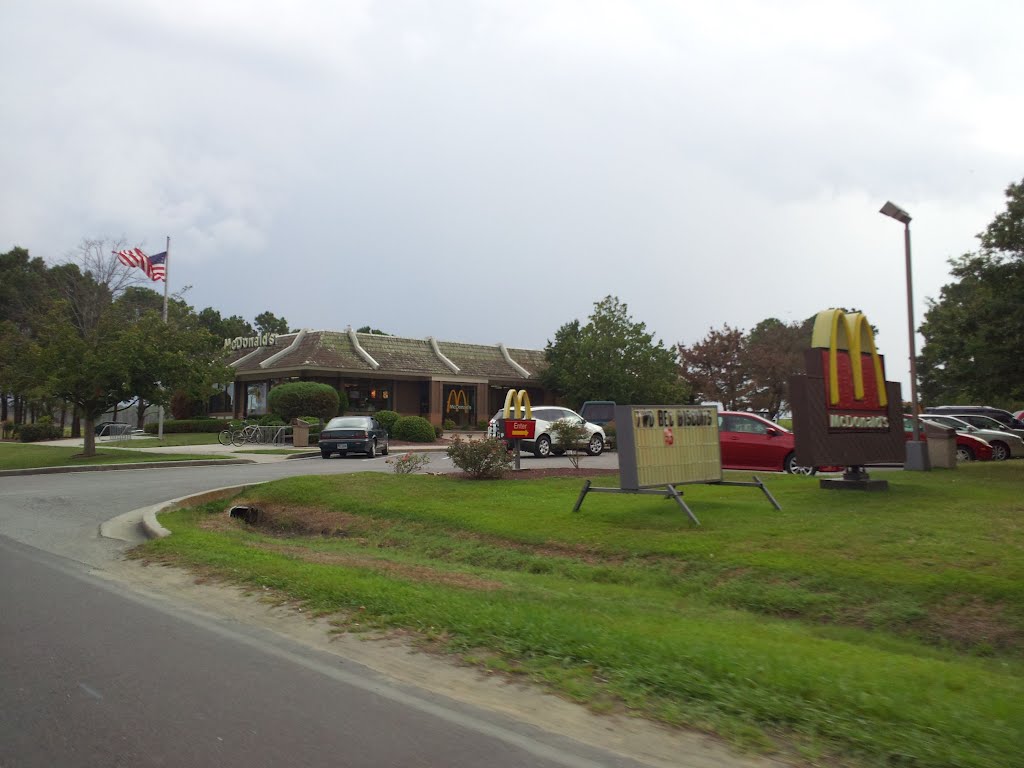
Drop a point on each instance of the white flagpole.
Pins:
(167, 271)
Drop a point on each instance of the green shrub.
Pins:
(30, 433)
(414, 429)
(291, 400)
(270, 420)
(438, 432)
(387, 420)
(188, 425)
(408, 463)
(571, 437)
(486, 459)
(449, 424)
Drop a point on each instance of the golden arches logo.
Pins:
(835, 330)
(517, 405)
(457, 401)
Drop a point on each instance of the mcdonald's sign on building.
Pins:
(844, 410)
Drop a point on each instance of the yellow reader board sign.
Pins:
(667, 444)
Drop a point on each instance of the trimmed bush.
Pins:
(448, 424)
(486, 459)
(189, 425)
(298, 398)
(438, 432)
(387, 420)
(31, 433)
(414, 429)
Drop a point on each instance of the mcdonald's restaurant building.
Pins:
(439, 380)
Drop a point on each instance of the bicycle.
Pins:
(224, 438)
(249, 433)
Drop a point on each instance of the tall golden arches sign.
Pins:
(517, 405)
(835, 330)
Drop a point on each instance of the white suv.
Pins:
(546, 415)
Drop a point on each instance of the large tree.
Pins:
(772, 352)
(715, 370)
(25, 287)
(612, 357)
(974, 331)
(268, 322)
(99, 344)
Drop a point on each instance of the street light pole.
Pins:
(917, 455)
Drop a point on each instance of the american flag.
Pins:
(154, 266)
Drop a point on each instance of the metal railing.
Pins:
(116, 432)
(256, 434)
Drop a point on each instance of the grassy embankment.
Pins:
(868, 629)
(33, 456)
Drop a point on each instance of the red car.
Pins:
(749, 442)
(968, 447)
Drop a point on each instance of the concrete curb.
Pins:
(152, 528)
(112, 467)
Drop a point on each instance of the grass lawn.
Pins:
(32, 456)
(880, 629)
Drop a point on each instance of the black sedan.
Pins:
(355, 434)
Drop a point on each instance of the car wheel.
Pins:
(596, 445)
(371, 451)
(542, 447)
(790, 466)
(963, 453)
(1000, 451)
(325, 454)
(384, 450)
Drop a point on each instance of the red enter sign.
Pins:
(521, 429)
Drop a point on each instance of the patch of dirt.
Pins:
(537, 474)
(973, 623)
(399, 570)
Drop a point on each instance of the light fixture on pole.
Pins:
(917, 456)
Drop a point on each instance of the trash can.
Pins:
(300, 433)
(941, 443)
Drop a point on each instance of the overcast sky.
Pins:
(486, 171)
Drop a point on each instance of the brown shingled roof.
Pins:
(395, 354)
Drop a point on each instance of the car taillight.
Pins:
(360, 434)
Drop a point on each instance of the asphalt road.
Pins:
(97, 674)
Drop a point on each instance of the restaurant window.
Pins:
(369, 396)
(256, 398)
(459, 403)
(222, 400)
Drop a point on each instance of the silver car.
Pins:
(545, 437)
(1005, 445)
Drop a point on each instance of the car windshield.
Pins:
(349, 422)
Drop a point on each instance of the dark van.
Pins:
(598, 412)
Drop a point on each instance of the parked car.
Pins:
(986, 422)
(353, 434)
(1005, 445)
(749, 441)
(1003, 417)
(968, 447)
(544, 437)
(1019, 415)
(598, 412)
